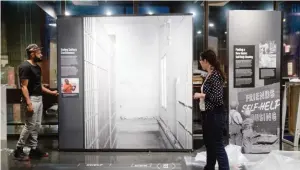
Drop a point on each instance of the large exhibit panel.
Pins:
(176, 79)
(70, 77)
(254, 52)
(145, 73)
(136, 83)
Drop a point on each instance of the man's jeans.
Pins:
(30, 131)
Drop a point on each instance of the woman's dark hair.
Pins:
(211, 57)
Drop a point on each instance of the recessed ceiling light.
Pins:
(108, 13)
(67, 13)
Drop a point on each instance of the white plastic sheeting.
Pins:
(235, 156)
(276, 160)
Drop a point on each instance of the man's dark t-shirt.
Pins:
(33, 74)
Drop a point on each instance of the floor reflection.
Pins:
(139, 134)
(92, 160)
(101, 160)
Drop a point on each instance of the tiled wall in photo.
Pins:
(97, 62)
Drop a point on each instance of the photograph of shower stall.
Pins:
(138, 82)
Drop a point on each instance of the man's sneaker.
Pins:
(37, 153)
(20, 155)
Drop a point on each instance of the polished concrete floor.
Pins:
(101, 160)
(139, 134)
(92, 160)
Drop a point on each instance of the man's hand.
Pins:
(55, 93)
(30, 108)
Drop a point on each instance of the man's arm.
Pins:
(45, 90)
(24, 84)
(24, 75)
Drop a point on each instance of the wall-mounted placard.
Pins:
(267, 60)
(70, 87)
(244, 61)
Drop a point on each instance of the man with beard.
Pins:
(32, 88)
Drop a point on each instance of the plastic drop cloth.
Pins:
(235, 156)
(276, 160)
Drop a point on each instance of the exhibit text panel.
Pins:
(254, 80)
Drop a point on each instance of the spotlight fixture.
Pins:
(150, 13)
(192, 12)
(211, 25)
(67, 13)
(108, 13)
(199, 32)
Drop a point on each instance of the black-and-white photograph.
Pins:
(267, 54)
(254, 119)
(135, 95)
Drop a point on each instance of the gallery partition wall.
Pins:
(126, 82)
(254, 52)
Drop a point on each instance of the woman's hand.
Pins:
(199, 96)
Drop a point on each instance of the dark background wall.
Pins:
(22, 24)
